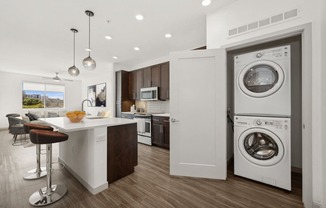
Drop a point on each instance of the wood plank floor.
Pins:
(150, 186)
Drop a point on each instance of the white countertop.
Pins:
(65, 125)
(161, 114)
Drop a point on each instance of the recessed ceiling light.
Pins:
(139, 17)
(115, 57)
(206, 2)
(136, 48)
(168, 35)
(88, 49)
(108, 37)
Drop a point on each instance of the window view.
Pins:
(38, 95)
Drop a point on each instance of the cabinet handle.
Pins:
(155, 119)
(161, 129)
(166, 121)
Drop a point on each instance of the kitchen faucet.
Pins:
(82, 104)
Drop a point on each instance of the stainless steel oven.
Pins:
(144, 128)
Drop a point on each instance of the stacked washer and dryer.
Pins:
(262, 116)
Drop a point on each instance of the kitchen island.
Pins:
(98, 151)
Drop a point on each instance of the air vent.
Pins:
(264, 22)
(291, 14)
(275, 19)
(242, 29)
(253, 25)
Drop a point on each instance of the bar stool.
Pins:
(51, 193)
(39, 172)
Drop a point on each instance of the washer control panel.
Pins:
(262, 122)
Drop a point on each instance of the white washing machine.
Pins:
(262, 150)
(263, 82)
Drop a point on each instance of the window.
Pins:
(38, 95)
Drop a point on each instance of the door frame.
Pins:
(305, 30)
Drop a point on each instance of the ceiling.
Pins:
(35, 36)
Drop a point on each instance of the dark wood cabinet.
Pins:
(147, 77)
(156, 75)
(122, 151)
(161, 131)
(164, 93)
(153, 76)
(122, 85)
(135, 83)
(123, 102)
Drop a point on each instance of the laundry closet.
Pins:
(265, 111)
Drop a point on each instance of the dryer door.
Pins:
(261, 78)
(261, 147)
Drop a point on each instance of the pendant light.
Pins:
(88, 62)
(73, 70)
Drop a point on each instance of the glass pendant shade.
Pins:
(89, 63)
(73, 71)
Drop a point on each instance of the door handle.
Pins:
(173, 120)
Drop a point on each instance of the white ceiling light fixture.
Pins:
(139, 17)
(89, 63)
(136, 48)
(168, 35)
(206, 2)
(115, 57)
(108, 37)
(73, 70)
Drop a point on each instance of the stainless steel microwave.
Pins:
(150, 93)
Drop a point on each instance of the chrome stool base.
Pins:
(42, 198)
(32, 174)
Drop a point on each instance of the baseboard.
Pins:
(85, 184)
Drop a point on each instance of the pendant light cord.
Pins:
(89, 35)
(74, 47)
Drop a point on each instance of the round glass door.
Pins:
(261, 147)
(261, 78)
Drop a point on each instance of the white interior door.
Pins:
(198, 113)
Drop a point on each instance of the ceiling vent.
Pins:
(275, 19)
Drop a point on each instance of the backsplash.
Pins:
(158, 106)
(154, 106)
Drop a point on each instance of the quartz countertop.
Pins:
(65, 125)
(161, 114)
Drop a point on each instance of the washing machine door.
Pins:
(261, 78)
(261, 147)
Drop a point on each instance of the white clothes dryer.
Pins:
(262, 82)
(262, 150)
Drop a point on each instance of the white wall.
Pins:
(107, 77)
(324, 96)
(11, 94)
(246, 11)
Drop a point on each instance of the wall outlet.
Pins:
(317, 205)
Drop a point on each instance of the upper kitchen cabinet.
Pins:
(152, 76)
(156, 75)
(165, 81)
(135, 83)
(147, 77)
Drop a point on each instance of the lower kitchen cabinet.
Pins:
(161, 131)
